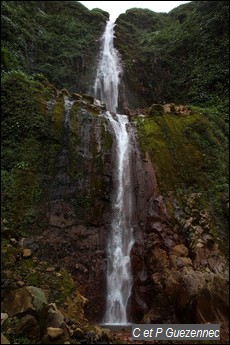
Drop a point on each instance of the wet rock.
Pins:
(50, 269)
(88, 99)
(171, 286)
(14, 241)
(20, 283)
(9, 233)
(64, 92)
(153, 317)
(173, 261)
(97, 334)
(76, 96)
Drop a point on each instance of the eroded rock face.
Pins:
(190, 273)
(174, 259)
(78, 201)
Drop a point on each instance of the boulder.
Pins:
(28, 327)
(26, 300)
(55, 333)
(180, 250)
(55, 319)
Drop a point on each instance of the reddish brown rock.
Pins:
(180, 250)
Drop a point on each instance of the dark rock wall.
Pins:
(78, 201)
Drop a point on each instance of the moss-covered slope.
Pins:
(59, 39)
(181, 56)
(190, 154)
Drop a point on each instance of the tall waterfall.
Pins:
(106, 85)
(120, 239)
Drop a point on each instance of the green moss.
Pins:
(59, 113)
(74, 123)
(174, 156)
(58, 39)
(189, 153)
(63, 287)
(165, 62)
(27, 133)
(107, 137)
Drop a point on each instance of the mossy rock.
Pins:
(155, 109)
(65, 92)
(88, 99)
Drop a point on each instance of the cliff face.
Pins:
(57, 39)
(177, 57)
(57, 179)
(60, 198)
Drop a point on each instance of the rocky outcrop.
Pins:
(78, 197)
(158, 109)
(25, 322)
(26, 300)
(176, 259)
(188, 273)
(29, 305)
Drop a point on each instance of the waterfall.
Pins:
(108, 71)
(68, 106)
(120, 239)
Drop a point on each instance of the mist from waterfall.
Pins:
(120, 238)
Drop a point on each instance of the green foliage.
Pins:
(178, 57)
(190, 154)
(56, 38)
(26, 133)
(8, 60)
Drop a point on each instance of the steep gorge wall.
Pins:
(180, 56)
(176, 236)
(57, 183)
(57, 39)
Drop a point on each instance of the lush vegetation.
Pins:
(54, 172)
(190, 155)
(59, 39)
(41, 40)
(177, 57)
(182, 57)
(26, 134)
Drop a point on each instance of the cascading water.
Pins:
(120, 241)
(108, 71)
(68, 106)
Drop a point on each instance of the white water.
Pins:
(68, 107)
(120, 239)
(108, 71)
